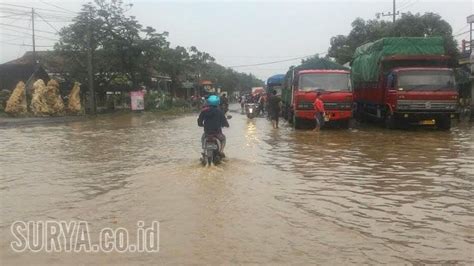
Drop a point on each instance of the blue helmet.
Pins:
(213, 100)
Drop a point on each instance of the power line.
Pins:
(464, 32)
(50, 14)
(13, 15)
(19, 44)
(56, 6)
(25, 34)
(403, 5)
(12, 10)
(275, 62)
(14, 39)
(45, 9)
(41, 17)
(465, 26)
(407, 6)
(17, 31)
(24, 28)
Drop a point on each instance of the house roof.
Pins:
(52, 62)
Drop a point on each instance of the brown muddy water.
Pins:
(364, 195)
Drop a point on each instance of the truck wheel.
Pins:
(345, 124)
(296, 123)
(390, 122)
(444, 123)
(359, 114)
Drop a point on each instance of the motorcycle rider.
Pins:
(213, 120)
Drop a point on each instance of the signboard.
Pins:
(188, 85)
(470, 19)
(138, 102)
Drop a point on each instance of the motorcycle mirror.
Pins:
(229, 117)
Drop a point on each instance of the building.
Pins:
(21, 69)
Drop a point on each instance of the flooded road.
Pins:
(364, 195)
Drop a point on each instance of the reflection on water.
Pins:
(412, 189)
(363, 195)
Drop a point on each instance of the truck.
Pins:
(404, 81)
(301, 85)
(275, 82)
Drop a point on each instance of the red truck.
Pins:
(299, 94)
(404, 81)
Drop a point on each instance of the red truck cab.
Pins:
(336, 94)
(411, 93)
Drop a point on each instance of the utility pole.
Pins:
(33, 34)
(394, 11)
(392, 14)
(89, 67)
(31, 79)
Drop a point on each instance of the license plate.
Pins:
(211, 146)
(427, 122)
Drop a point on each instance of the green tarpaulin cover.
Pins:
(366, 60)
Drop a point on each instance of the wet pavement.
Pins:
(364, 195)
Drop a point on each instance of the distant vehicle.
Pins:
(257, 90)
(404, 81)
(300, 88)
(252, 110)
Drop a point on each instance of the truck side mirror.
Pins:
(391, 81)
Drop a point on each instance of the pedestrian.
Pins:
(261, 103)
(320, 112)
(274, 108)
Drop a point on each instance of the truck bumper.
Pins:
(423, 118)
(334, 115)
(305, 114)
(337, 115)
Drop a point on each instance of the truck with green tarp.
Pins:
(317, 75)
(404, 81)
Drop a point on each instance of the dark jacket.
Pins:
(212, 119)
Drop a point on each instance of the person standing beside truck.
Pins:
(319, 114)
(274, 108)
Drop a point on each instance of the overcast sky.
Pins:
(234, 32)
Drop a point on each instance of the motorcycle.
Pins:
(251, 110)
(211, 151)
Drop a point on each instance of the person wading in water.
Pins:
(319, 108)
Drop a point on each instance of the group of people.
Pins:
(258, 99)
(213, 118)
(272, 103)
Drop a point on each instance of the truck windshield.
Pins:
(426, 80)
(325, 82)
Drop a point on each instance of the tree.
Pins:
(73, 44)
(409, 25)
(229, 79)
(316, 62)
(122, 48)
(199, 62)
(125, 53)
(428, 24)
(175, 63)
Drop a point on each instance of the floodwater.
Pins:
(364, 195)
